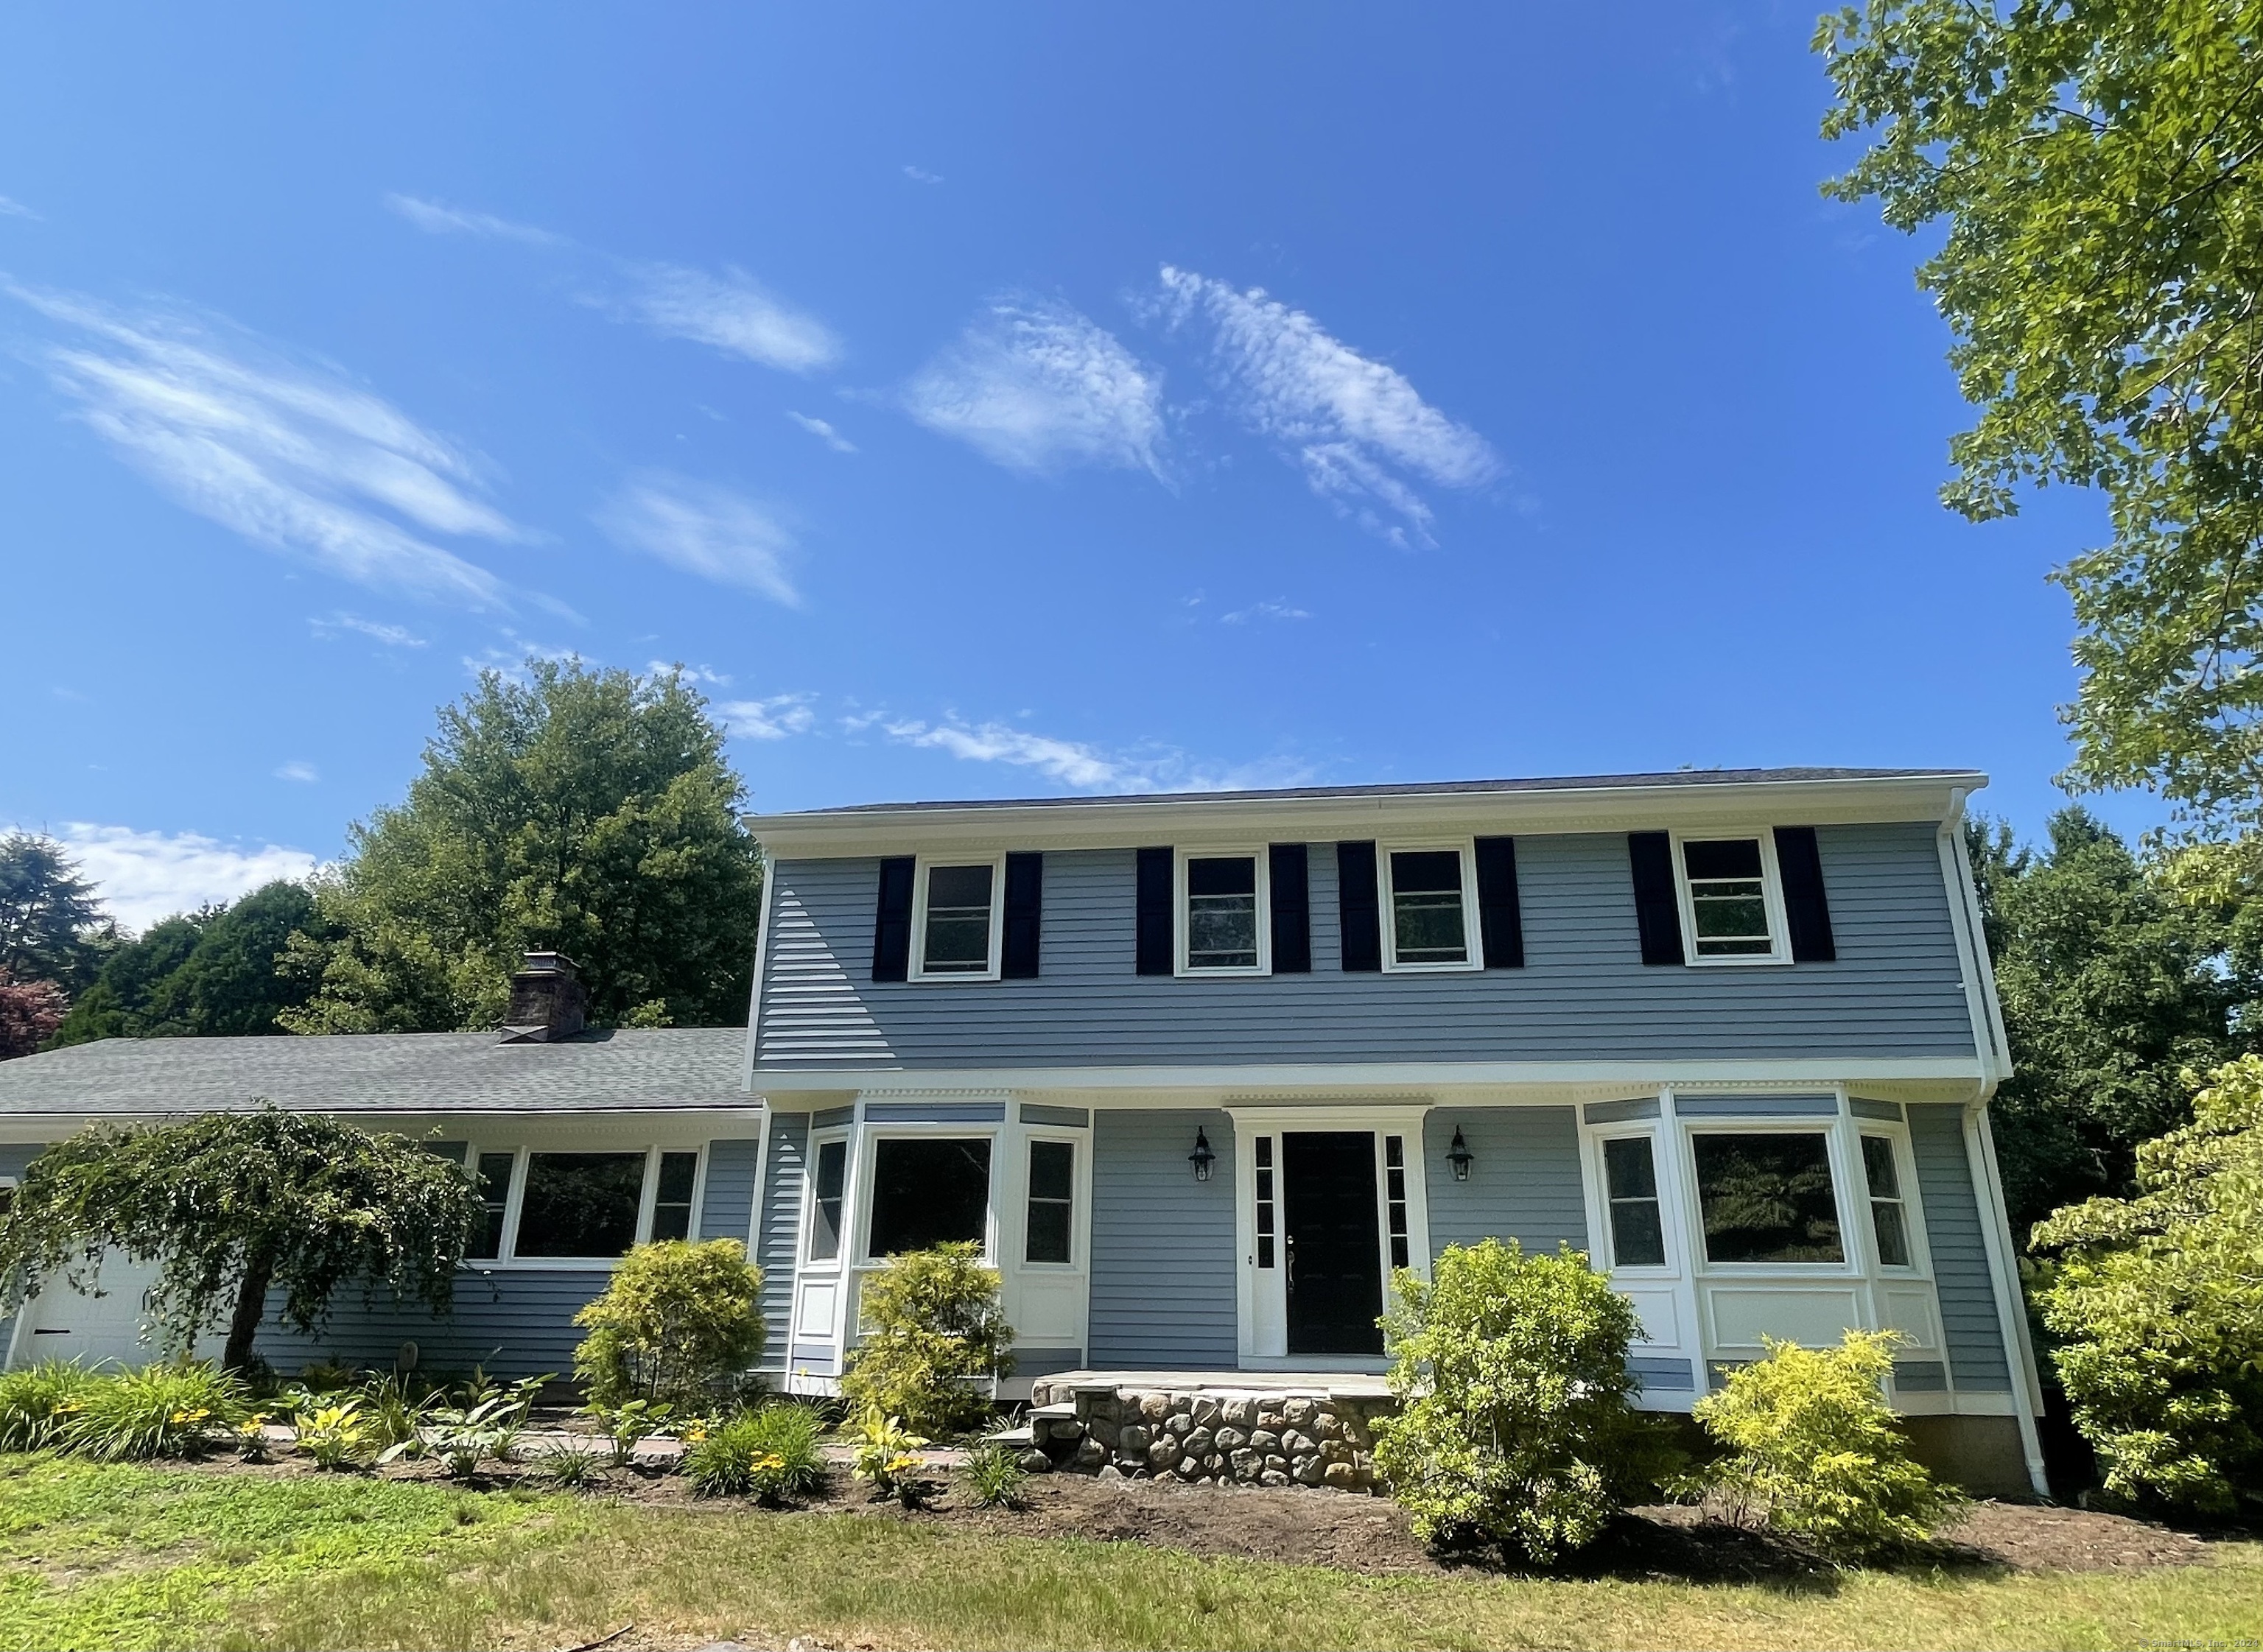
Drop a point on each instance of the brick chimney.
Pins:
(546, 1000)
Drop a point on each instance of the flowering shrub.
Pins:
(338, 1436)
(36, 1401)
(771, 1453)
(156, 1410)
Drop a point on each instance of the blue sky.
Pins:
(984, 400)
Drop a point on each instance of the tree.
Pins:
(2158, 1307)
(2095, 167)
(29, 1012)
(231, 1205)
(2114, 986)
(587, 811)
(211, 973)
(52, 928)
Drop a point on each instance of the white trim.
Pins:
(1472, 941)
(2011, 1303)
(1832, 1131)
(857, 1248)
(918, 970)
(1771, 894)
(1976, 973)
(1080, 1173)
(1261, 858)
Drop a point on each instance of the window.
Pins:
(671, 1202)
(1727, 881)
(927, 1189)
(1053, 1197)
(824, 1211)
(494, 1172)
(1630, 1183)
(1887, 1221)
(1767, 1197)
(1224, 922)
(1264, 1161)
(580, 1204)
(958, 922)
(1428, 926)
(1394, 1196)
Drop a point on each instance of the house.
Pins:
(1199, 1071)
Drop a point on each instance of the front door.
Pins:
(1333, 1254)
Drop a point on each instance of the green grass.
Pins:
(97, 1555)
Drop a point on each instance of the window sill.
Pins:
(1391, 967)
(1752, 961)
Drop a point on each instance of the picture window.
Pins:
(580, 1204)
(1767, 1197)
(927, 1190)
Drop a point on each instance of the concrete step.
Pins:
(1020, 1439)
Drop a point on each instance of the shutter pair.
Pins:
(1024, 918)
(1798, 863)
(1155, 933)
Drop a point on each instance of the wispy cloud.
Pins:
(689, 673)
(1258, 611)
(290, 455)
(730, 312)
(1087, 767)
(329, 626)
(823, 431)
(146, 876)
(703, 530)
(17, 209)
(435, 219)
(772, 719)
(1038, 386)
(1353, 424)
(920, 175)
(305, 774)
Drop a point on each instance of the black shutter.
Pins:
(1025, 904)
(891, 924)
(1500, 922)
(1806, 911)
(1657, 907)
(1358, 921)
(1292, 909)
(1155, 946)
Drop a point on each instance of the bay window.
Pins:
(1767, 1197)
(927, 1190)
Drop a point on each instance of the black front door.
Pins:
(1335, 1262)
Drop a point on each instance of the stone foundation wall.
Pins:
(1269, 1437)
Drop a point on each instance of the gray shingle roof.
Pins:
(632, 1069)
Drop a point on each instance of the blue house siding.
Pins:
(1162, 1242)
(1584, 994)
(1969, 1316)
(1524, 1178)
(780, 1235)
(727, 1210)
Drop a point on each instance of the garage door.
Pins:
(62, 1323)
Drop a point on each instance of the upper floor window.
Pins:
(1729, 905)
(959, 927)
(1767, 1197)
(1223, 915)
(1428, 904)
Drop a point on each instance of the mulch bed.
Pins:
(1313, 1526)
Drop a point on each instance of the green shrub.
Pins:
(995, 1476)
(36, 1401)
(486, 1426)
(569, 1467)
(889, 1458)
(1516, 1423)
(934, 1337)
(2158, 1304)
(1811, 1450)
(155, 1410)
(627, 1426)
(770, 1452)
(679, 1323)
(339, 1437)
(396, 1408)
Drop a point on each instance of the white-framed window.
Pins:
(1732, 898)
(584, 1207)
(1767, 1195)
(925, 1188)
(1429, 906)
(1225, 912)
(1890, 1220)
(1638, 1223)
(828, 1186)
(1049, 1233)
(958, 920)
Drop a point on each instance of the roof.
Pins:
(629, 1070)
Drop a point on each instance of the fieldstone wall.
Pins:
(1267, 1437)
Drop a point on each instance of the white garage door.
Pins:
(62, 1323)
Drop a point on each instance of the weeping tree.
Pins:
(234, 1206)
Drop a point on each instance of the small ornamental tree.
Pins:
(30, 1012)
(934, 1331)
(1516, 1423)
(232, 1205)
(678, 1322)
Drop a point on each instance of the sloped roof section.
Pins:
(628, 1070)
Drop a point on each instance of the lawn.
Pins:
(94, 1555)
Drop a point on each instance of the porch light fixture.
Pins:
(1201, 1157)
(1459, 1156)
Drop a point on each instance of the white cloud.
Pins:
(1262, 612)
(17, 209)
(691, 673)
(1036, 386)
(703, 530)
(770, 720)
(919, 174)
(146, 876)
(435, 219)
(305, 774)
(1353, 423)
(329, 626)
(1085, 766)
(823, 431)
(729, 312)
(293, 456)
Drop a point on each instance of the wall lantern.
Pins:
(1459, 1156)
(1201, 1157)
